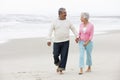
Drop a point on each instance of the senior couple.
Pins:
(61, 28)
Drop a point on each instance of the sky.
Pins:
(73, 7)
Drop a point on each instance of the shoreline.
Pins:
(2, 41)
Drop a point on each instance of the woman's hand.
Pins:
(86, 43)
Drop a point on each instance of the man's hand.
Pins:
(49, 43)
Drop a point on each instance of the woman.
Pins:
(85, 42)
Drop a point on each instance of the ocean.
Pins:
(17, 26)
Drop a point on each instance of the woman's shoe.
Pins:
(88, 70)
(80, 73)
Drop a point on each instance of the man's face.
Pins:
(63, 15)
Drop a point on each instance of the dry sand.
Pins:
(32, 59)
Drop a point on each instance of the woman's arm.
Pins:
(91, 35)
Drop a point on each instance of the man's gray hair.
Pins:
(61, 10)
(85, 15)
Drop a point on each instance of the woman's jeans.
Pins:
(88, 50)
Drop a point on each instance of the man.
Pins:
(61, 29)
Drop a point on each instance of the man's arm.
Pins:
(74, 32)
(50, 35)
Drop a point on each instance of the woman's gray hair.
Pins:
(85, 15)
(61, 10)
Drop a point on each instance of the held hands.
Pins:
(77, 40)
(49, 43)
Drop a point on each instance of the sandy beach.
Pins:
(32, 59)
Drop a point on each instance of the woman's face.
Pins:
(82, 19)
